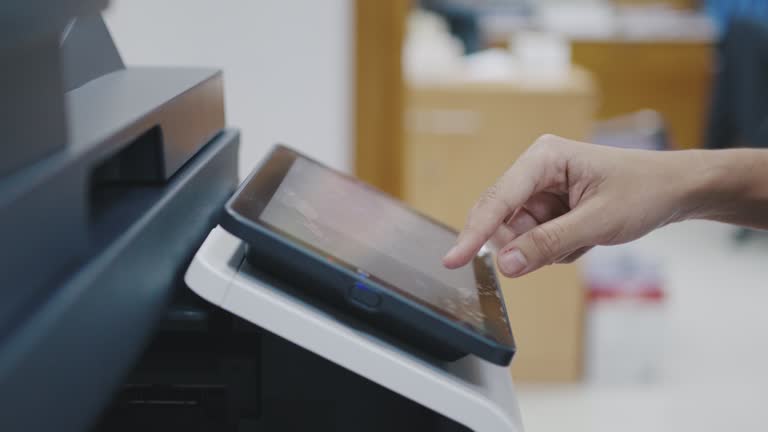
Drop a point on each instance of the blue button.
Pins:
(364, 295)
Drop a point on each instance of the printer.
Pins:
(111, 181)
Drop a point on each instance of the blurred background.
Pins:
(431, 100)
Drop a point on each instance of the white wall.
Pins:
(287, 64)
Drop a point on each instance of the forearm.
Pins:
(729, 186)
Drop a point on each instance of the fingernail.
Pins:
(513, 262)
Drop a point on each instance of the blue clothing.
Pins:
(724, 11)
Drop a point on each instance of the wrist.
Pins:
(721, 183)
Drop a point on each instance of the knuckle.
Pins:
(539, 210)
(490, 196)
(491, 193)
(547, 146)
(547, 141)
(547, 240)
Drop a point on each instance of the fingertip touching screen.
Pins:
(374, 235)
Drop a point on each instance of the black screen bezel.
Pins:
(257, 191)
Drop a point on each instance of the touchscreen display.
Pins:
(379, 238)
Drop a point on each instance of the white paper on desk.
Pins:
(491, 65)
(664, 23)
(582, 20)
(542, 57)
(430, 52)
(536, 58)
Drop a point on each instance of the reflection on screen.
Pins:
(373, 234)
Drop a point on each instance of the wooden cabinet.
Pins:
(671, 77)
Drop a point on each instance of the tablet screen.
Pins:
(379, 238)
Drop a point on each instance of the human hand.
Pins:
(563, 197)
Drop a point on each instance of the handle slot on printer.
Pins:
(141, 161)
(124, 184)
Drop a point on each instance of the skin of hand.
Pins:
(563, 197)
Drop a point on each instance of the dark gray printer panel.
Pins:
(94, 241)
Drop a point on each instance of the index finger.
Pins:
(511, 191)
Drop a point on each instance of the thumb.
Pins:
(546, 243)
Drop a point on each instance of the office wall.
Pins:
(287, 64)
